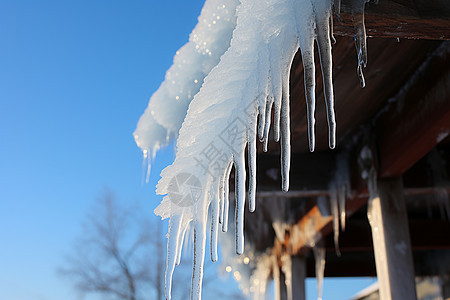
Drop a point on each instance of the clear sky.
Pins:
(74, 78)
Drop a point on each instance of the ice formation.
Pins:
(357, 7)
(287, 270)
(319, 256)
(340, 190)
(233, 107)
(260, 276)
(162, 119)
(441, 180)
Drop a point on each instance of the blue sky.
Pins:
(74, 78)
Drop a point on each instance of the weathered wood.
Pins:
(390, 65)
(424, 234)
(419, 117)
(362, 264)
(390, 234)
(311, 225)
(418, 191)
(308, 170)
(420, 19)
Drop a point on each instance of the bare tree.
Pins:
(121, 255)
(118, 255)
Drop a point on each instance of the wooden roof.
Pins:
(402, 114)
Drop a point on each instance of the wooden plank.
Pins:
(420, 19)
(419, 117)
(311, 225)
(417, 191)
(393, 255)
(308, 170)
(362, 264)
(425, 235)
(390, 64)
(349, 264)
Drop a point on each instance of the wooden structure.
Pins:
(403, 117)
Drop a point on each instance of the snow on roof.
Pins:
(162, 119)
(231, 108)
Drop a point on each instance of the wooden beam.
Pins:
(419, 19)
(311, 225)
(318, 225)
(349, 264)
(417, 191)
(429, 234)
(362, 264)
(390, 234)
(308, 171)
(418, 118)
(352, 239)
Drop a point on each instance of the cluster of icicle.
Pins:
(161, 121)
(267, 264)
(339, 188)
(233, 108)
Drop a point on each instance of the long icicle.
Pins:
(319, 255)
(222, 115)
(326, 64)
(240, 201)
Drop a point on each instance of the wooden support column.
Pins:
(283, 287)
(418, 19)
(445, 287)
(393, 256)
(298, 278)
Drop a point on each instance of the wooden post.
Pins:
(298, 278)
(393, 256)
(283, 287)
(445, 286)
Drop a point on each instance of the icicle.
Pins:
(310, 86)
(368, 172)
(285, 136)
(260, 276)
(150, 137)
(337, 7)
(444, 203)
(214, 228)
(360, 36)
(252, 169)
(287, 270)
(146, 167)
(240, 202)
(180, 241)
(326, 63)
(199, 258)
(226, 197)
(335, 211)
(276, 278)
(237, 98)
(267, 123)
(173, 248)
(319, 256)
(211, 37)
(339, 190)
(342, 210)
(318, 14)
